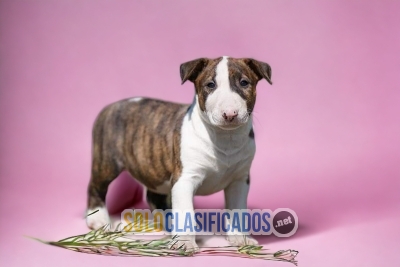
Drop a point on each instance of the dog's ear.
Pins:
(261, 69)
(190, 70)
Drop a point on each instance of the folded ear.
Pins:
(190, 70)
(261, 69)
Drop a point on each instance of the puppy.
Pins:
(178, 151)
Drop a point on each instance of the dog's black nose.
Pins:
(229, 115)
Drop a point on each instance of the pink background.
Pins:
(327, 131)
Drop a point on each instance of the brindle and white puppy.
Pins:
(178, 151)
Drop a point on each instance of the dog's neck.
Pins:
(227, 140)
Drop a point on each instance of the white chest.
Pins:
(214, 157)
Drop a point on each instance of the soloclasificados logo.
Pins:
(282, 222)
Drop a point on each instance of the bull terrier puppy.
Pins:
(178, 151)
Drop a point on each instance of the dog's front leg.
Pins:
(236, 198)
(182, 202)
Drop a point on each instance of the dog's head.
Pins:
(225, 88)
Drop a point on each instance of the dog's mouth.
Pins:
(231, 126)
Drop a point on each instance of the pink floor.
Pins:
(327, 131)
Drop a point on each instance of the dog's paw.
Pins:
(241, 240)
(185, 242)
(96, 220)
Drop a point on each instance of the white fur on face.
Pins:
(223, 99)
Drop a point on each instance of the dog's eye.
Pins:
(211, 85)
(244, 83)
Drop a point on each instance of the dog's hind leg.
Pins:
(103, 173)
(106, 166)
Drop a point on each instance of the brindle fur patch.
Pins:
(141, 137)
(200, 71)
(261, 69)
(240, 70)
